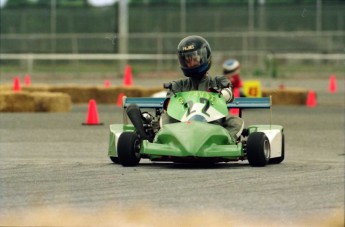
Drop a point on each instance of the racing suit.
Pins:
(233, 124)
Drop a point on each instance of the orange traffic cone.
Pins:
(332, 86)
(92, 114)
(16, 84)
(106, 83)
(27, 80)
(127, 78)
(235, 111)
(311, 99)
(119, 99)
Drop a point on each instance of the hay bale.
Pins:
(111, 94)
(30, 88)
(16, 102)
(36, 88)
(148, 92)
(52, 102)
(6, 87)
(294, 96)
(130, 91)
(78, 94)
(107, 95)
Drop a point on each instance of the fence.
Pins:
(249, 32)
(251, 48)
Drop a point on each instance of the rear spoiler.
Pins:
(241, 103)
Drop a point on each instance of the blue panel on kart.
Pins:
(246, 103)
(145, 102)
(242, 103)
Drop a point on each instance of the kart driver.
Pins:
(194, 54)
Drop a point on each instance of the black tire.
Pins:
(128, 149)
(258, 149)
(115, 160)
(281, 158)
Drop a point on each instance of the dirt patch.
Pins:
(144, 216)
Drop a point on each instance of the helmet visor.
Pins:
(193, 59)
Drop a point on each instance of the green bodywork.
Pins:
(193, 139)
(198, 140)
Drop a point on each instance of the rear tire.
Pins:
(281, 158)
(128, 149)
(258, 149)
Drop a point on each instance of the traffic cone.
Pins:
(92, 114)
(332, 85)
(235, 111)
(311, 99)
(119, 99)
(16, 84)
(127, 78)
(27, 80)
(106, 83)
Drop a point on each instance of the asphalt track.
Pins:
(50, 161)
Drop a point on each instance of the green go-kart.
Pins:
(194, 137)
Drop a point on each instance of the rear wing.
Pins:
(240, 103)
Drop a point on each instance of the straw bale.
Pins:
(52, 102)
(293, 96)
(111, 94)
(148, 92)
(6, 87)
(78, 94)
(107, 95)
(16, 102)
(36, 88)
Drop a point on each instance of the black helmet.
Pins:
(194, 54)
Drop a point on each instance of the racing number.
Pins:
(253, 91)
(207, 105)
(190, 104)
(203, 110)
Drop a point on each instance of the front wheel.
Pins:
(128, 149)
(114, 160)
(258, 149)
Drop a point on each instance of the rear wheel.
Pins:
(281, 158)
(258, 149)
(128, 149)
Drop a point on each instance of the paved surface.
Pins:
(52, 160)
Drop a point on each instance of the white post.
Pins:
(183, 16)
(318, 16)
(53, 23)
(123, 31)
(53, 28)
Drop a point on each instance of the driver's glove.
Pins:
(227, 94)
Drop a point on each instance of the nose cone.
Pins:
(192, 138)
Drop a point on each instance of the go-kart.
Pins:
(194, 137)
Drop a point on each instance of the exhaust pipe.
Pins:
(134, 115)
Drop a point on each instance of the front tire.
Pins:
(258, 149)
(114, 160)
(128, 149)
